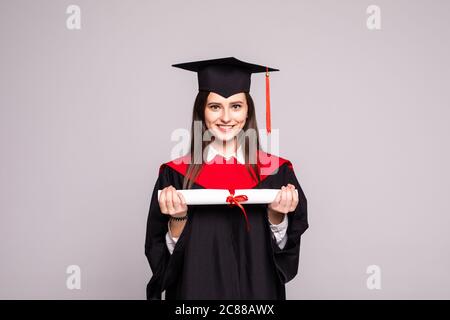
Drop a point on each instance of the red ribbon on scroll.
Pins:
(234, 200)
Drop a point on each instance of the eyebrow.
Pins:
(221, 104)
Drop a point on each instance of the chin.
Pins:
(224, 137)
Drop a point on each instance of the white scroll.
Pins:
(219, 196)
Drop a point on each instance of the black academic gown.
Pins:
(215, 256)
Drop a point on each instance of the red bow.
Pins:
(234, 200)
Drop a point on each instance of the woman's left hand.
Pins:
(286, 200)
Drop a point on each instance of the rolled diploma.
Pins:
(219, 196)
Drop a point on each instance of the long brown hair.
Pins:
(198, 114)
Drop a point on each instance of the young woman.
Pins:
(245, 251)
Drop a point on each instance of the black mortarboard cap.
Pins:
(228, 76)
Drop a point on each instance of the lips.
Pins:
(225, 128)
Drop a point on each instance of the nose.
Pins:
(225, 116)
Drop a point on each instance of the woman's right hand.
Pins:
(172, 202)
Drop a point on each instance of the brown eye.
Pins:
(236, 106)
(214, 107)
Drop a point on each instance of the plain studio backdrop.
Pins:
(87, 116)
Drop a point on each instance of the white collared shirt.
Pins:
(211, 152)
(278, 230)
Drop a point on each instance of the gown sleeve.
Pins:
(287, 258)
(156, 249)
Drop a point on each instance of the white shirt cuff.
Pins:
(170, 240)
(280, 231)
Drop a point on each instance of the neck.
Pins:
(227, 148)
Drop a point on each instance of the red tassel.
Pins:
(268, 127)
(235, 201)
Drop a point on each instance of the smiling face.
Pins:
(225, 117)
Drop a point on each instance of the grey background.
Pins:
(86, 118)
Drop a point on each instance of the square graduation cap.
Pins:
(228, 76)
